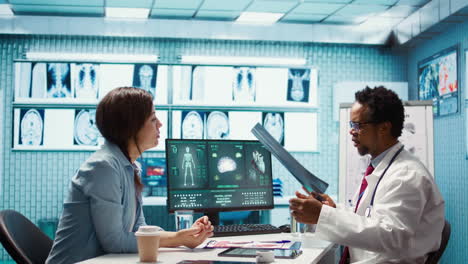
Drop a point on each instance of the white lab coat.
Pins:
(405, 222)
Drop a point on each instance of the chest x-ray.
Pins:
(274, 124)
(31, 127)
(298, 85)
(144, 77)
(217, 125)
(58, 80)
(243, 86)
(85, 80)
(86, 133)
(192, 125)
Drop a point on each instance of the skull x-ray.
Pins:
(144, 77)
(217, 125)
(192, 124)
(31, 127)
(85, 130)
(85, 80)
(243, 85)
(58, 80)
(298, 85)
(274, 124)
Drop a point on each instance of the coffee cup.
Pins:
(148, 243)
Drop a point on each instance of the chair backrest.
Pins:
(434, 257)
(23, 240)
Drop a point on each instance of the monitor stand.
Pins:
(213, 217)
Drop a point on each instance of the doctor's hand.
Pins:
(326, 199)
(305, 208)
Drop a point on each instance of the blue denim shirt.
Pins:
(102, 211)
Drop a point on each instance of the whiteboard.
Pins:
(417, 136)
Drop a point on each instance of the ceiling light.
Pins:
(117, 12)
(225, 60)
(259, 18)
(5, 10)
(92, 57)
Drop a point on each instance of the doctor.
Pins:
(398, 212)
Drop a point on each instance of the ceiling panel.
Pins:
(376, 2)
(330, 1)
(344, 20)
(304, 18)
(129, 3)
(317, 8)
(399, 11)
(175, 4)
(361, 10)
(217, 15)
(59, 2)
(271, 6)
(172, 13)
(58, 10)
(414, 2)
(237, 5)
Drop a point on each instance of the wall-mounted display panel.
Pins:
(438, 81)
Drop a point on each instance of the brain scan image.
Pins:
(218, 125)
(86, 132)
(58, 80)
(31, 128)
(226, 164)
(86, 80)
(243, 86)
(273, 123)
(192, 126)
(298, 85)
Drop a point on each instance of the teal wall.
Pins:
(451, 166)
(35, 183)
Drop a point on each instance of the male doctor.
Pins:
(399, 213)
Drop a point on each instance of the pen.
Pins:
(279, 241)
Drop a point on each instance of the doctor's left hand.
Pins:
(305, 209)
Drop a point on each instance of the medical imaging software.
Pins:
(230, 174)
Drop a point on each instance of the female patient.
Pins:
(104, 207)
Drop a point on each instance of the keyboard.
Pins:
(245, 229)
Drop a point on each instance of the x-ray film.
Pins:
(86, 133)
(305, 177)
(85, 79)
(217, 125)
(31, 127)
(58, 80)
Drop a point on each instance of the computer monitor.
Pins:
(211, 176)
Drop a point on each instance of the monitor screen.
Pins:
(218, 175)
(438, 81)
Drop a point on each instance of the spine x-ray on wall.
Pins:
(58, 80)
(144, 77)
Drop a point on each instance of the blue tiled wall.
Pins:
(35, 183)
(451, 167)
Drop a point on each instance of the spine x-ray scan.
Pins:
(58, 80)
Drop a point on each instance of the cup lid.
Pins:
(148, 230)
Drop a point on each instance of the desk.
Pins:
(314, 250)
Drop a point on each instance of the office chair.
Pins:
(23, 240)
(434, 257)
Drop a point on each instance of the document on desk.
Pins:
(282, 244)
(305, 177)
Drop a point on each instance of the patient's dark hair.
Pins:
(120, 115)
(384, 106)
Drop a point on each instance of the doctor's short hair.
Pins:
(384, 106)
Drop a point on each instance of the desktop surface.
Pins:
(313, 251)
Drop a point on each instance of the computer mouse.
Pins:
(285, 228)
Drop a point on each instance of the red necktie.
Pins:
(369, 170)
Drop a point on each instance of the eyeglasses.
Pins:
(356, 126)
